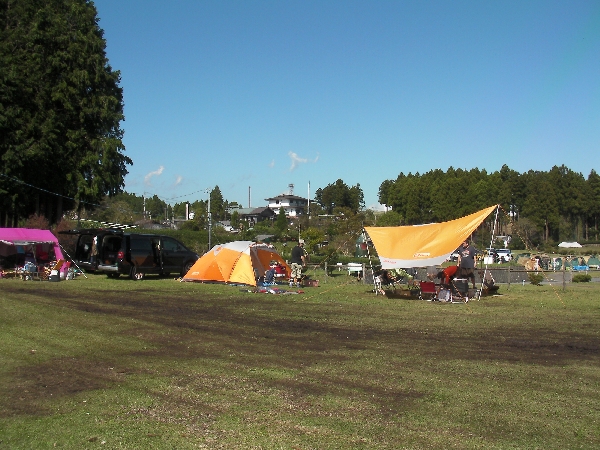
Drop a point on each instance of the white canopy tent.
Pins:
(570, 245)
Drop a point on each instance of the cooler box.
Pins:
(54, 276)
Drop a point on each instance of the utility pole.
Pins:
(209, 223)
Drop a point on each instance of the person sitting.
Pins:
(270, 274)
(386, 278)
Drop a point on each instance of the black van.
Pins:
(116, 252)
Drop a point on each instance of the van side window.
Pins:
(170, 245)
(141, 244)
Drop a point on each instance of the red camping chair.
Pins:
(427, 289)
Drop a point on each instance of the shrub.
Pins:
(536, 278)
(582, 278)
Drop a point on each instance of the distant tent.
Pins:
(593, 262)
(239, 262)
(361, 246)
(569, 245)
(423, 245)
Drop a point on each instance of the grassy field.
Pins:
(157, 364)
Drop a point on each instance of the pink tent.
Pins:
(11, 238)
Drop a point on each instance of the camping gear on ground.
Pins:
(445, 295)
(54, 274)
(237, 262)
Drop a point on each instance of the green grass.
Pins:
(101, 363)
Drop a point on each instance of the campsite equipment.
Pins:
(423, 245)
(427, 289)
(460, 286)
(445, 295)
(14, 241)
(239, 262)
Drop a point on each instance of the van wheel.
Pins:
(187, 268)
(134, 274)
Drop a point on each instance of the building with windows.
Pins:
(255, 215)
(293, 205)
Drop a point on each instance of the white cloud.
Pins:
(297, 160)
(178, 180)
(152, 174)
(272, 164)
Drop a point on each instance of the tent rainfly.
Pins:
(423, 245)
(239, 262)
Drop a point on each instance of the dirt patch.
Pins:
(34, 386)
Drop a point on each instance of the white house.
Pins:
(293, 205)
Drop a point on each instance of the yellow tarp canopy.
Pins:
(423, 245)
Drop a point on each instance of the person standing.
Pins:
(94, 251)
(466, 262)
(298, 261)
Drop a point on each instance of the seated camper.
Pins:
(270, 274)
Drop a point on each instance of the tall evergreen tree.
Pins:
(217, 206)
(60, 109)
(593, 182)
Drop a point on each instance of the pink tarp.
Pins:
(12, 237)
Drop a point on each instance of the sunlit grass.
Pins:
(163, 364)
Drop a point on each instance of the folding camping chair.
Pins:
(459, 290)
(52, 270)
(427, 289)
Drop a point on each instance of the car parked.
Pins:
(116, 252)
(503, 255)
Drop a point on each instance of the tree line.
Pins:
(556, 205)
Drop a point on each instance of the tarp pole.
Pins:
(73, 261)
(490, 246)
(364, 233)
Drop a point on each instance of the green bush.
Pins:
(536, 278)
(582, 278)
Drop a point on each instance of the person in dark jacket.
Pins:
(298, 261)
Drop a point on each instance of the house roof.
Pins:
(286, 196)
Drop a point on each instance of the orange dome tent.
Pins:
(239, 262)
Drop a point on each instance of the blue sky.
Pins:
(255, 95)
